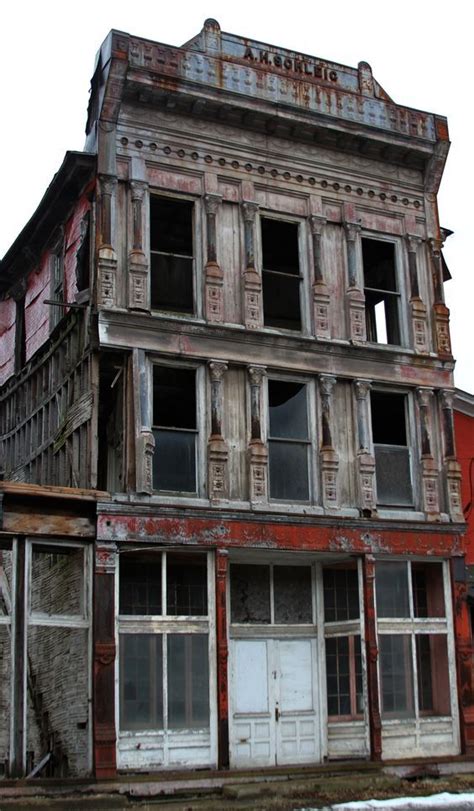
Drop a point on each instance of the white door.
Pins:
(273, 702)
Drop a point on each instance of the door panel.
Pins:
(273, 702)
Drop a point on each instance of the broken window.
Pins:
(344, 677)
(414, 670)
(282, 595)
(382, 295)
(171, 254)
(174, 429)
(281, 277)
(288, 441)
(392, 454)
(164, 670)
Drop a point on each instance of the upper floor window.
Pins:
(174, 429)
(171, 254)
(381, 288)
(391, 450)
(288, 441)
(281, 275)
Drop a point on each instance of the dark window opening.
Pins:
(280, 274)
(83, 257)
(341, 594)
(433, 674)
(186, 585)
(392, 455)
(288, 442)
(174, 429)
(344, 677)
(20, 335)
(381, 292)
(171, 249)
(111, 424)
(428, 593)
(140, 583)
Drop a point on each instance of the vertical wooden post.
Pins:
(18, 673)
(222, 657)
(375, 720)
(104, 661)
(464, 654)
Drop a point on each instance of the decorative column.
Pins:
(258, 452)
(329, 462)
(322, 329)
(464, 653)
(354, 294)
(106, 257)
(214, 276)
(138, 275)
(253, 305)
(429, 470)
(366, 460)
(217, 451)
(441, 312)
(105, 764)
(222, 565)
(451, 466)
(145, 441)
(418, 308)
(372, 653)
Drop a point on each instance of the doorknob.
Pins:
(277, 714)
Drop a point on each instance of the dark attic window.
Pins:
(171, 250)
(381, 292)
(281, 274)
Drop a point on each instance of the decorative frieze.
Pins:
(322, 328)
(258, 452)
(355, 301)
(366, 460)
(253, 305)
(138, 271)
(217, 450)
(214, 276)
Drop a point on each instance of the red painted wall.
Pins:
(464, 428)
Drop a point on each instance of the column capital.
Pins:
(413, 242)
(447, 397)
(217, 369)
(424, 395)
(317, 224)
(256, 374)
(108, 183)
(249, 210)
(138, 189)
(327, 383)
(362, 388)
(352, 230)
(212, 203)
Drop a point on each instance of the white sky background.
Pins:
(421, 52)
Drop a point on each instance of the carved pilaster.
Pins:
(258, 452)
(441, 312)
(451, 466)
(322, 328)
(355, 300)
(214, 276)
(417, 306)
(107, 258)
(144, 456)
(429, 471)
(217, 451)
(366, 461)
(138, 276)
(253, 305)
(104, 660)
(329, 462)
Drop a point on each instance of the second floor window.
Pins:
(381, 290)
(281, 274)
(288, 441)
(174, 429)
(391, 449)
(171, 255)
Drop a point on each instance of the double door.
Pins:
(274, 702)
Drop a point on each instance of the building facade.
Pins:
(241, 272)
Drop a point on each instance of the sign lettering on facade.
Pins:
(301, 66)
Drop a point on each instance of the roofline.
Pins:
(464, 402)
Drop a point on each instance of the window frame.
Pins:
(411, 447)
(303, 258)
(197, 262)
(399, 267)
(57, 283)
(201, 425)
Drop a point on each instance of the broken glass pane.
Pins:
(292, 594)
(57, 580)
(391, 583)
(141, 681)
(188, 681)
(288, 411)
(250, 593)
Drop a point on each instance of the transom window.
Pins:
(288, 441)
(281, 275)
(280, 595)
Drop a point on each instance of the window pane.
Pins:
(188, 681)
(58, 705)
(393, 476)
(171, 283)
(186, 584)
(338, 676)
(171, 225)
(140, 583)
(281, 300)
(391, 584)
(428, 592)
(280, 246)
(288, 471)
(174, 397)
(396, 675)
(379, 264)
(57, 580)
(433, 675)
(141, 681)
(288, 411)
(388, 418)
(341, 594)
(250, 593)
(174, 461)
(292, 594)
(358, 675)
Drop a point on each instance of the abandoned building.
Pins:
(231, 530)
